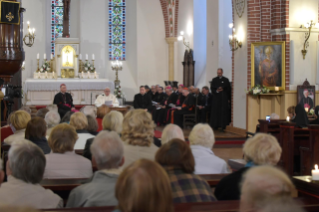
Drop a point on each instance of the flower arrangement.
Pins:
(118, 92)
(45, 67)
(311, 112)
(89, 67)
(257, 90)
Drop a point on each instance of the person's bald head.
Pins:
(263, 184)
(107, 91)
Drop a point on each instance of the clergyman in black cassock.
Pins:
(142, 100)
(63, 100)
(188, 107)
(161, 115)
(220, 88)
(204, 104)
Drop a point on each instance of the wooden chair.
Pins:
(191, 119)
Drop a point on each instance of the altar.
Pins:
(83, 91)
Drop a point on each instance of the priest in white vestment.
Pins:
(107, 96)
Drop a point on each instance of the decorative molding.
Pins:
(240, 7)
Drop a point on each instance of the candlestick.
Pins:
(38, 56)
(45, 56)
(93, 63)
(86, 57)
(288, 119)
(51, 56)
(38, 69)
(80, 64)
(315, 173)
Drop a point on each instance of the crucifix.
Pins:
(66, 18)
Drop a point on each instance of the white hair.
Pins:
(107, 88)
(26, 161)
(170, 132)
(107, 150)
(52, 118)
(89, 111)
(52, 107)
(203, 135)
(274, 116)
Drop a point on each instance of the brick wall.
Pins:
(164, 5)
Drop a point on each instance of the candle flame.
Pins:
(316, 167)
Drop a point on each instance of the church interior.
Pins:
(159, 105)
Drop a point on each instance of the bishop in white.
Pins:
(107, 96)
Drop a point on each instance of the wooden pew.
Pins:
(309, 204)
(270, 127)
(236, 164)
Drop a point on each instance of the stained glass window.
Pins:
(117, 34)
(57, 9)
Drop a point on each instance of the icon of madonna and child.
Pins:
(268, 65)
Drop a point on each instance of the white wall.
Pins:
(240, 78)
(301, 12)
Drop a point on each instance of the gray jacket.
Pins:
(99, 191)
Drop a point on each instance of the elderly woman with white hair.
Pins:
(26, 164)
(52, 118)
(107, 150)
(262, 149)
(170, 132)
(202, 140)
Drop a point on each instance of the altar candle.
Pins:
(80, 56)
(51, 56)
(38, 56)
(276, 88)
(93, 57)
(86, 57)
(45, 56)
(315, 173)
(288, 118)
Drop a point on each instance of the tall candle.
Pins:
(86, 57)
(80, 56)
(45, 56)
(93, 57)
(38, 56)
(51, 56)
(315, 173)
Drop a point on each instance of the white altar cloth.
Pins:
(71, 84)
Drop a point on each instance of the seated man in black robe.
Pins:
(170, 98)
(142, 100)
(64, 101)
(204, 104)
(188, 107)
(153, 93)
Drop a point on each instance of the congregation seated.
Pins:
(67, 117)
(267, 189)
(26, 109)
(52, 119)
(101, 112)
(89, 111)
(262, 149)
(42, 112)
(52, 107)
(138, 136)
(170, 132)
(25, 168)
(18, 123)
(301, 118)
(202, 140)
(80, 123)
(36, 133)
(177, 159)
(63, 162)
(144, 186)
(111, 122)
(92, 125)
(107, 152)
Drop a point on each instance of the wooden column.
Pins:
(66, 18)
(171, 57)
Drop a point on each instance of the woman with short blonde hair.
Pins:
(113, 121)
(63, 162)
(262, 149)
(18, 123)
(101, 112)
(202, 140)
(138, 135)
(79, 121)
(142, 182)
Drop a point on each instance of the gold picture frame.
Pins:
(268, 64)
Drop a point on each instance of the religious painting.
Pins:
(306, 95)
(268, 64)
(240, 7)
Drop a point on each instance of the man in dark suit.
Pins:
(64, 101)
(142, 100)
(221, 91)
(204, 104)
(159, 116)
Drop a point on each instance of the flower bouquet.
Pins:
(45, 67)
(118, 92)
(257, 90)
(88, 67)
